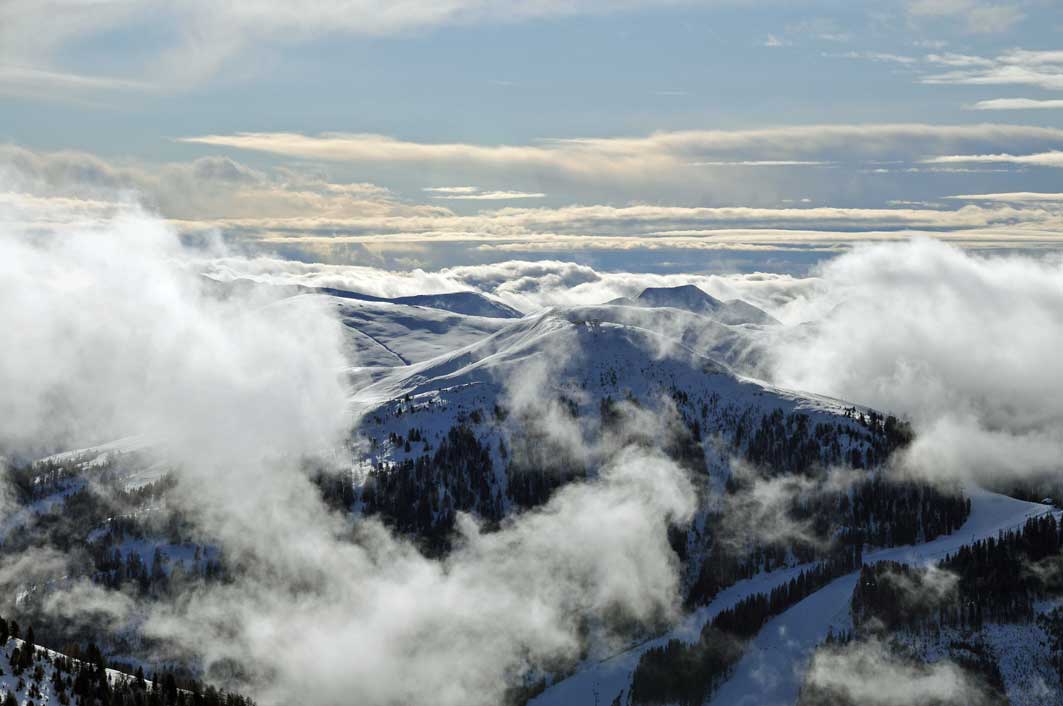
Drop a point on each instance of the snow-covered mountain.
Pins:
(694, 299)
(466, 405)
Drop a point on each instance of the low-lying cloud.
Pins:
(871, 673)
(965, 345)
(120, 334)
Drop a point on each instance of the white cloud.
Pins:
(869, 672)
(1044, 159)
(879, 56)
(201, 36)
(451, 189)
(765, 163)
(23, 81)
(966, 345)
(663, 151)
(528, 286)
(1017, 67)
(1018, 104)
(119, 334)
(1012, 197)
(473, 193)
(976, 16)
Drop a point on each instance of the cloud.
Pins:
(119, 334)
(451, 189)
(655, 152)
(1043, 159)
(975, 16)
(1017, 67)
(39, 83)
(119, 361)
(207, 187)
(764, 163)
(528, 286)
(869, 672)
(473, 193)
(963, 344)
(762, 511)
(1012, 197)
(304, 210)
(201, 37)
(879, 56)
(1017, 104)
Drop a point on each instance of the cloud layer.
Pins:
(963, 344)
(120, 334)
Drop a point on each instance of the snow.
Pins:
(1022, 655)
(468, 303)
(26, 513)
(770, 672)
(696, 300)
(389, 334)
(9, 681)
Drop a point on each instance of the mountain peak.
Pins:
(684, 296)
(696, 300)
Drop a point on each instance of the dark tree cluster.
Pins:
(790, 443)
(997, 579)
(687, 674)
(876, 512)
(80, 677)
(887, 513)
(153, 578)
(420, 497)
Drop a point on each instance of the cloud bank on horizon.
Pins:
(767, 128)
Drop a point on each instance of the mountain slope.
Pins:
(770, 671)
(691, 298)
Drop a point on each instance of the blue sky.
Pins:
(342, 128)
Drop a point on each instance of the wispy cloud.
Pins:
(203, 36)
(662, 151)
(1043, 159)
(1011, 197)
(878, 56)
(1018, 67)
(1018, 104)
(475, 193)
(975, 16)
(764, 163)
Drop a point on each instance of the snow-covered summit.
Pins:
(694, 299)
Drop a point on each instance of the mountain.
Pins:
(782, 647)
(491, 415)
(32, 674)
(465, 302)
(385, 333)
(691, 298)
(468, 303)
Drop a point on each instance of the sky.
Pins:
(650, 135)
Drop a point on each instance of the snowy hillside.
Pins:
(770, 672)
(466, 406)
(32, 675)
(694, 299)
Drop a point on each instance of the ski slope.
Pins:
(769, 674)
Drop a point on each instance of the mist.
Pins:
(238, 391)
(967, 346)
